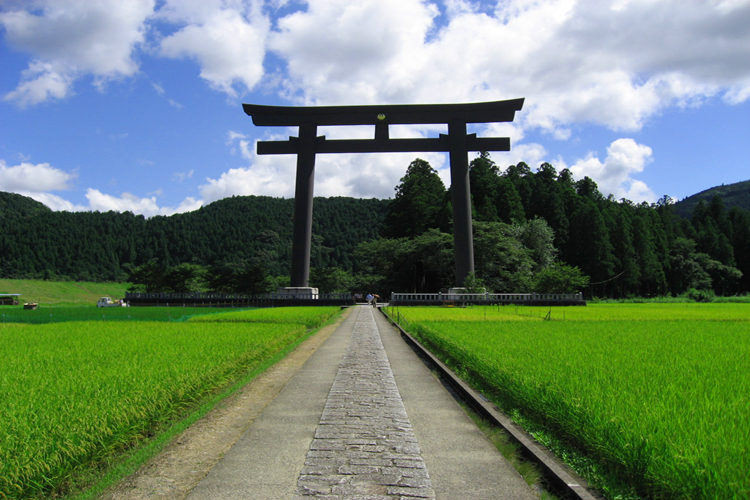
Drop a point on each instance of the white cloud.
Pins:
(611, 63)
(129, 202)
(40, 82)
(614, 63)
(625, 158)
(54, 202)
(36, 182)
(532, 154)
(355, 52)
(271, 176)
(181, 176)
(227, 38)
(242, 142)
(30, 178)
(71, 38)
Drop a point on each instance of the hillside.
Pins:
(47, 293)
(12, 204)
(733, 195)
(37, 243)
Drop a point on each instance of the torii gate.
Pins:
(457, 143)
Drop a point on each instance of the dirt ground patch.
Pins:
(173, 473)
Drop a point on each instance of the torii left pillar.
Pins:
(303, 206)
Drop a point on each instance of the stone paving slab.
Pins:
(364, 444)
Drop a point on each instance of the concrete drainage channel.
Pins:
(558, 475)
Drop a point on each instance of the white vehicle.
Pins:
(107, 302)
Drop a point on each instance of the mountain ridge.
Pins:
(733, 195)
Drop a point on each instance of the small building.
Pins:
(9, 299)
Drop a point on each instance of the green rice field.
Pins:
(657, 394)
(75, 394)
(309, 316)
(56, 314)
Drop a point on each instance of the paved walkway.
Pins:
(364, 419)
(364, 444)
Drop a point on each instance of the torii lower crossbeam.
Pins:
(457, 143)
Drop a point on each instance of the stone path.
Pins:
(346, 426)
(364, 446)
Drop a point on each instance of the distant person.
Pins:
(370, 298)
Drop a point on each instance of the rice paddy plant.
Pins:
(73, 394)
(591, 312)
(312, 317)
(57, 314)
(647, 312)
(663, 404)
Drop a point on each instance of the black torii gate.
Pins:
(457, 143)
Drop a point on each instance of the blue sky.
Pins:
(137, 105)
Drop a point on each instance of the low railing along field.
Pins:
(655, 394)
(76, 393)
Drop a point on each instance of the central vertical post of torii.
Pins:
(457, 143)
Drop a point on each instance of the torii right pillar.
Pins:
(463, 238)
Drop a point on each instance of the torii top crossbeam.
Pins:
(396, 114)
(457, 142)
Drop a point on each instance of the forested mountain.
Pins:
(733, 195)
(16, 205)
(36, 242)
(534, 230)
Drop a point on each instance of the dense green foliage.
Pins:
(655, 394)
(16, 206)
(246, 232)
(543, 231)
(533, 231)
(76, 393)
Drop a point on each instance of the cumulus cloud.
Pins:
(610, 63)
(72, 38)
(226, 38)
(614, 175)
(102, 202)
(266, 175)
(37, 182)
(614, 63)
(339, 51)
(30, 178)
